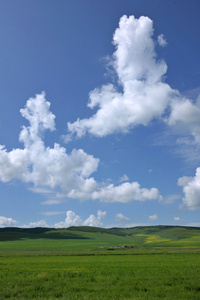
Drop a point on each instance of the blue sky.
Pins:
(99, 113)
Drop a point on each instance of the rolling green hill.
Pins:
(86, 238)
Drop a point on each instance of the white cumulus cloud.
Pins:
(40, 223)
(126, 192)
(191, 189)
(185, 114)
(44, 166)
(7, 222)
(74, 220)
(141, 94)
(144, 95)
(182, 181)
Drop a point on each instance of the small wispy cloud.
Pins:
(194, 224)
(124, 178)
(171, 198)
(52, 213)
(162, 40)
(121, 218)
(51, 202)
(153, 217)
(40, 190)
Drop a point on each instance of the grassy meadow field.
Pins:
(161, 262)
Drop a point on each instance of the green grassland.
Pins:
(146, 276)
(92, 238)
(161, 262)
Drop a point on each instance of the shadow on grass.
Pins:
(15, 233)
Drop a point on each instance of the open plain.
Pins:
(160, 262)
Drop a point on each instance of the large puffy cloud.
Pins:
(52, 168)
(144, 95)
(185, 114)
(135, 53)
(14, 164)
(141, 94)
(191, 189)
(74, 220)
(126, 192)
(45, 166)
(7, 222)
(37, 112)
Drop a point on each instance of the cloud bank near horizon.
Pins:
(71, 220)
(74, 220)
(7, 222)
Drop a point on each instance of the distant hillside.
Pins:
(85, 237)
(172, 232)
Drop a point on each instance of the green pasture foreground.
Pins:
(100, 276)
